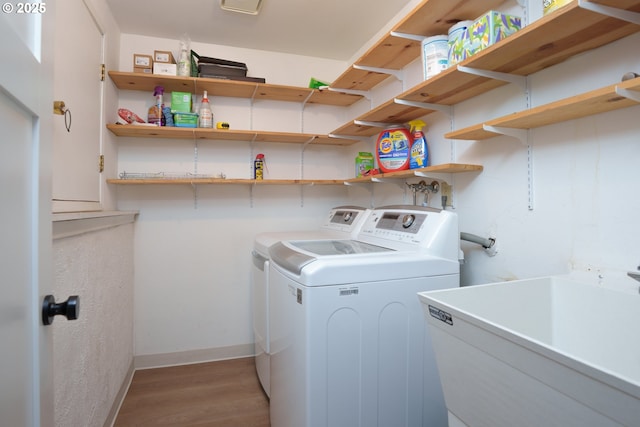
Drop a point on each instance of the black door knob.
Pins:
(69, 309)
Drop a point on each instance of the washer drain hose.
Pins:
(484, 242)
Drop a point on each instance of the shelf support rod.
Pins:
(446, 109)
(519, 134)
(633, 95)
(614, 12)
(496, 75)
(302, 150)
(407, 36)
(395, 73)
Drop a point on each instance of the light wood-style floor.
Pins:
(215, 394)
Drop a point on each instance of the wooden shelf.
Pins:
(230, 88)
(429, 18)
(554, 38)
(583, 105)
(137, 131)
(445, 168)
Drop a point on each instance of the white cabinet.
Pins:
(77, 134)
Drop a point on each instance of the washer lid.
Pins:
(294, 255)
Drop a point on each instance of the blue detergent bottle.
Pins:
(419, 157)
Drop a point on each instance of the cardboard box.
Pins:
(551, 5)
(143, 70)
(142, 61)
(165, 69)
(364, 162)
(180, 102)
(163, 56)
(489, 29)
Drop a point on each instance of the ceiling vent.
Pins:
(252, 7)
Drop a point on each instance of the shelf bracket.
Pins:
(398, 74)
(520, 134)
(434, 175)
(350, 137)
(374, 124)
(364, 93)
(496, 75)
(407, 36)
(397, 181)
(633, 95)
(614, 12)
(446, 109)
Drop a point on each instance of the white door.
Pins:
(26, 398)
(78, 42)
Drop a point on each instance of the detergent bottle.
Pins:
(392, 149)
(419, 149)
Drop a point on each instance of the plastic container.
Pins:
(435, 51)
(206, 116)
(155, 112)
(456, 51)
(419, 150)
(185, 120)
(258, 167)
(393, 149)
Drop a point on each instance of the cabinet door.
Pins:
(77, 82)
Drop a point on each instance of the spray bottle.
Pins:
(258, 167)
(155, 112)
(206, 116)
(419, 157)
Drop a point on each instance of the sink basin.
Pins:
(550, 351)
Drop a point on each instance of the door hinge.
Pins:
(101, 163)
(102, 72)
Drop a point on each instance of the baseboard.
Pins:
(148, 361)
(122, 393)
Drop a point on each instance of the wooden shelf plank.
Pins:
(138, 131)
(429, 18)
(229, 88)
(411, 173)
(583, 105)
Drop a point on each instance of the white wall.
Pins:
(193, 246)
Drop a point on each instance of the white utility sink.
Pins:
(540, 352)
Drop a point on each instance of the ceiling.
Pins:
(334, 29)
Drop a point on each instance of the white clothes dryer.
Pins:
(348, 342)
(341, 222)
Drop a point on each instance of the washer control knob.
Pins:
(347, 216)
(407, 220)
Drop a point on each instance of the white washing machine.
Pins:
(349, 346)
(341, 222)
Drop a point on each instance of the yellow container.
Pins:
(549, 6)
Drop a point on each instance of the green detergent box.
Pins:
(180, 102)
(489, 29)
(364, 162)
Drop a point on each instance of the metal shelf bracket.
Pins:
(407, 36)
(614, 12)
(398, 74)
(633, 95)
(496, 75)
(446, 109)
(520, 134)
(374, 124)
(364, 93)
